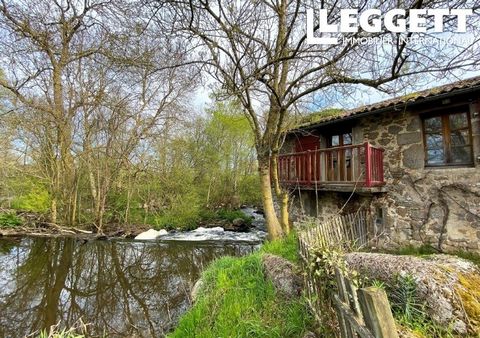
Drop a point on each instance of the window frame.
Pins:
(341, 139)
(444, 114)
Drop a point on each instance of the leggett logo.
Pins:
(370, 21)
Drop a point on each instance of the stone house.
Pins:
(412, 161)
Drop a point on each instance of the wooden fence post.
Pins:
(345, 328)
(377, 313)
(368, 165)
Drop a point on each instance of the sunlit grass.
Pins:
(238, 301)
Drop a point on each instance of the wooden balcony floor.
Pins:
(338, 187)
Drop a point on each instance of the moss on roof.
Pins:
(318, 117)
(338, 114)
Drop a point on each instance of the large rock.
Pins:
(413, 157)
(283, 274)
(196, 290)
(238, 225)
(409, 138)
(449, 286)
(151, 234)
(239, 222)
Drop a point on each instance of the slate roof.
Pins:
(398, 102)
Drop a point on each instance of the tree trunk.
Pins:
(65, 175)
(271, 220)
(53, 210)
(282, 196)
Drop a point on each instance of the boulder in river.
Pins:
(151, 234)
(238, 225)
(283, 274)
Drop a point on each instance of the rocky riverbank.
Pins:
(235, 230)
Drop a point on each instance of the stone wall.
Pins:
(323, 205)
(437, 206)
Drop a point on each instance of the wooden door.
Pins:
(339, 161)
(303, 173)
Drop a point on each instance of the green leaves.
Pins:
(9, 220)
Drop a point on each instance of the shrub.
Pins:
(228, 215)
(248, 190)
(231, 215)
(404, 300)
(9, 220)
(36, 200)
(29, 194)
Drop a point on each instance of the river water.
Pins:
(120, 288)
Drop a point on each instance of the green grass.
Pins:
(55, 332)
(422, 327)
(320, 115)
(238, 301)
(410, 250)
(427, 250)
(286, 248)
(468, 255)
(61, 334)
(409, 311)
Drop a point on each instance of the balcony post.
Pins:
(309, 167)
(382, 178)
(368, 165)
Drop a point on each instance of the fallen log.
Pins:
(449, 286)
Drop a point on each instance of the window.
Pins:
(340, 140)
(448, 139)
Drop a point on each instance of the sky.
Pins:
(362, 95)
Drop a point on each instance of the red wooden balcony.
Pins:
(354, 167)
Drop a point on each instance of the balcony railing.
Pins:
(358, 165)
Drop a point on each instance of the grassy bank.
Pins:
(238, 301)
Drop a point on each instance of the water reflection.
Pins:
(121, 288)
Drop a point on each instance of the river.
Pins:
(117, 287)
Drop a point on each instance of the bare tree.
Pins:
(257, 52)
(44, 42)
(98, 80)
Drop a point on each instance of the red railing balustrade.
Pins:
(360, 165)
